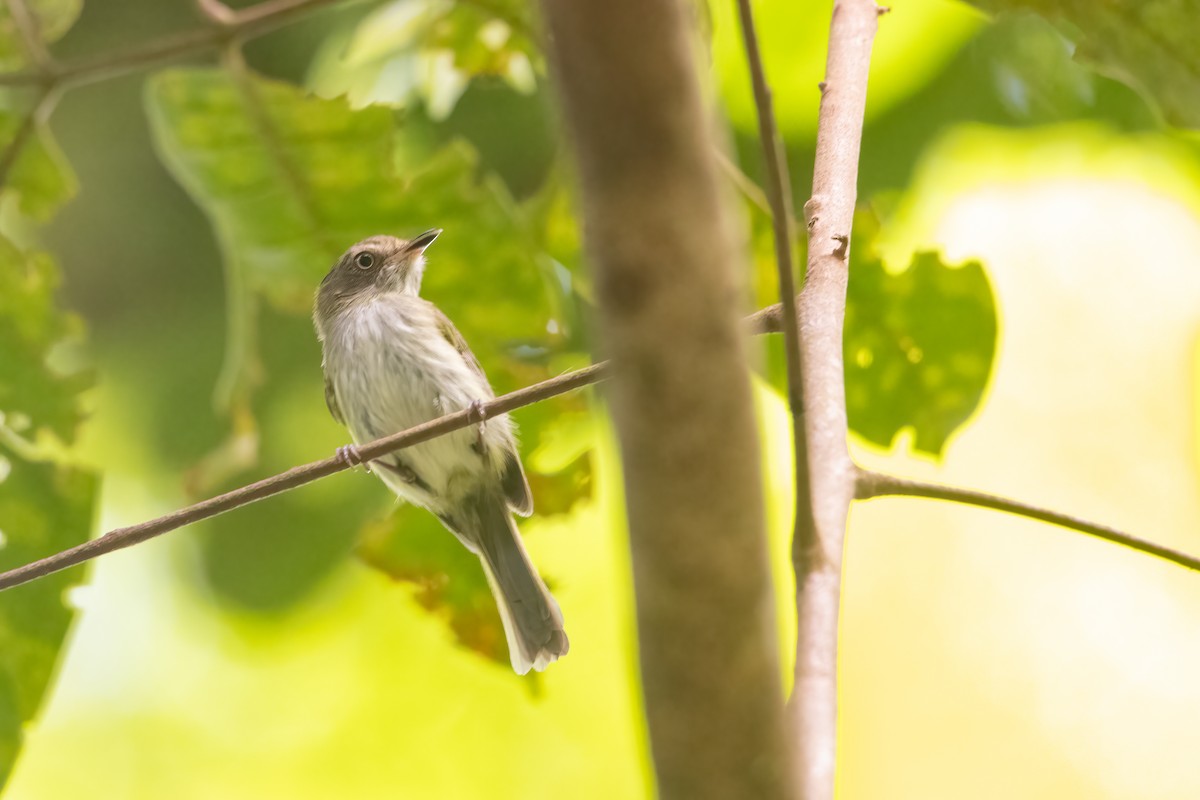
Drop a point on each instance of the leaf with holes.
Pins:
(290, 181)
(34, 396)
(431, 51)
(1147, 44)
(44, 508)
(919, 347)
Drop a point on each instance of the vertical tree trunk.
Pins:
(658, 239)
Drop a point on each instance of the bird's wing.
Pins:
(456, 340)
(332, 402)
(513, 480)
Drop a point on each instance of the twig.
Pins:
(744, 182)
(828, 485)
(29, 29)
(875, 484)
(217, 12)
(42, 106)
(248, 23)
(810, 783)
(298, 476)
(779, 194)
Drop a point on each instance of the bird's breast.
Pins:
(392, 369)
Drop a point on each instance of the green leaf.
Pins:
(919, 347)
(1147, 44)
(1032, 68)
(41, 178)
(291, 180)
(560, 468)
(292, 185)
(430, 49)
(44, 508)
(413, 547)
(33, 396)
(53, 19)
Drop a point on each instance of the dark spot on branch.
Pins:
(842, 246)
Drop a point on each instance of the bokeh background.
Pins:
(304, 647)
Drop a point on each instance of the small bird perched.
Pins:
(393, 360)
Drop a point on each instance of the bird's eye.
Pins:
(365, 260)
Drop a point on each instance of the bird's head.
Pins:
(377, 265)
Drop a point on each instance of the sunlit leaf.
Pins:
(52, 18)
(430, 49)
(290, 189)
(919, 347)
(33, 396)
(44, 508)
(560, 468)
(1148, 44)
(40, 177)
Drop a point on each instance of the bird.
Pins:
(392, 360)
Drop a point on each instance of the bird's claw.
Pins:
(349, 455)
(477, 414)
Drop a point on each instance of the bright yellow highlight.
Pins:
(982, 656)
(991, 657)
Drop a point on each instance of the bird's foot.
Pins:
(478, 414)
(349, 455)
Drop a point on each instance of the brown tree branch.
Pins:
(828, 474)
(247, 23)
(659, 241)
(307, 473)
(779, 194)
(875, 484)
(297, 476)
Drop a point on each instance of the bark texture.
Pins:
(658, 239)
(828, 475)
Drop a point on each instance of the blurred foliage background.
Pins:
(163, 237)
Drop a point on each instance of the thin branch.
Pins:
(42, 106)
(779, 192)
(121, 538)
(744, 183)
(298, 476)
(217, 12)
(870, 484)
(825, 481)
(247, 23)
(29, 29)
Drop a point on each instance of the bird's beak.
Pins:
(423, 240)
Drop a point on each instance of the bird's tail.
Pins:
(532, 620)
